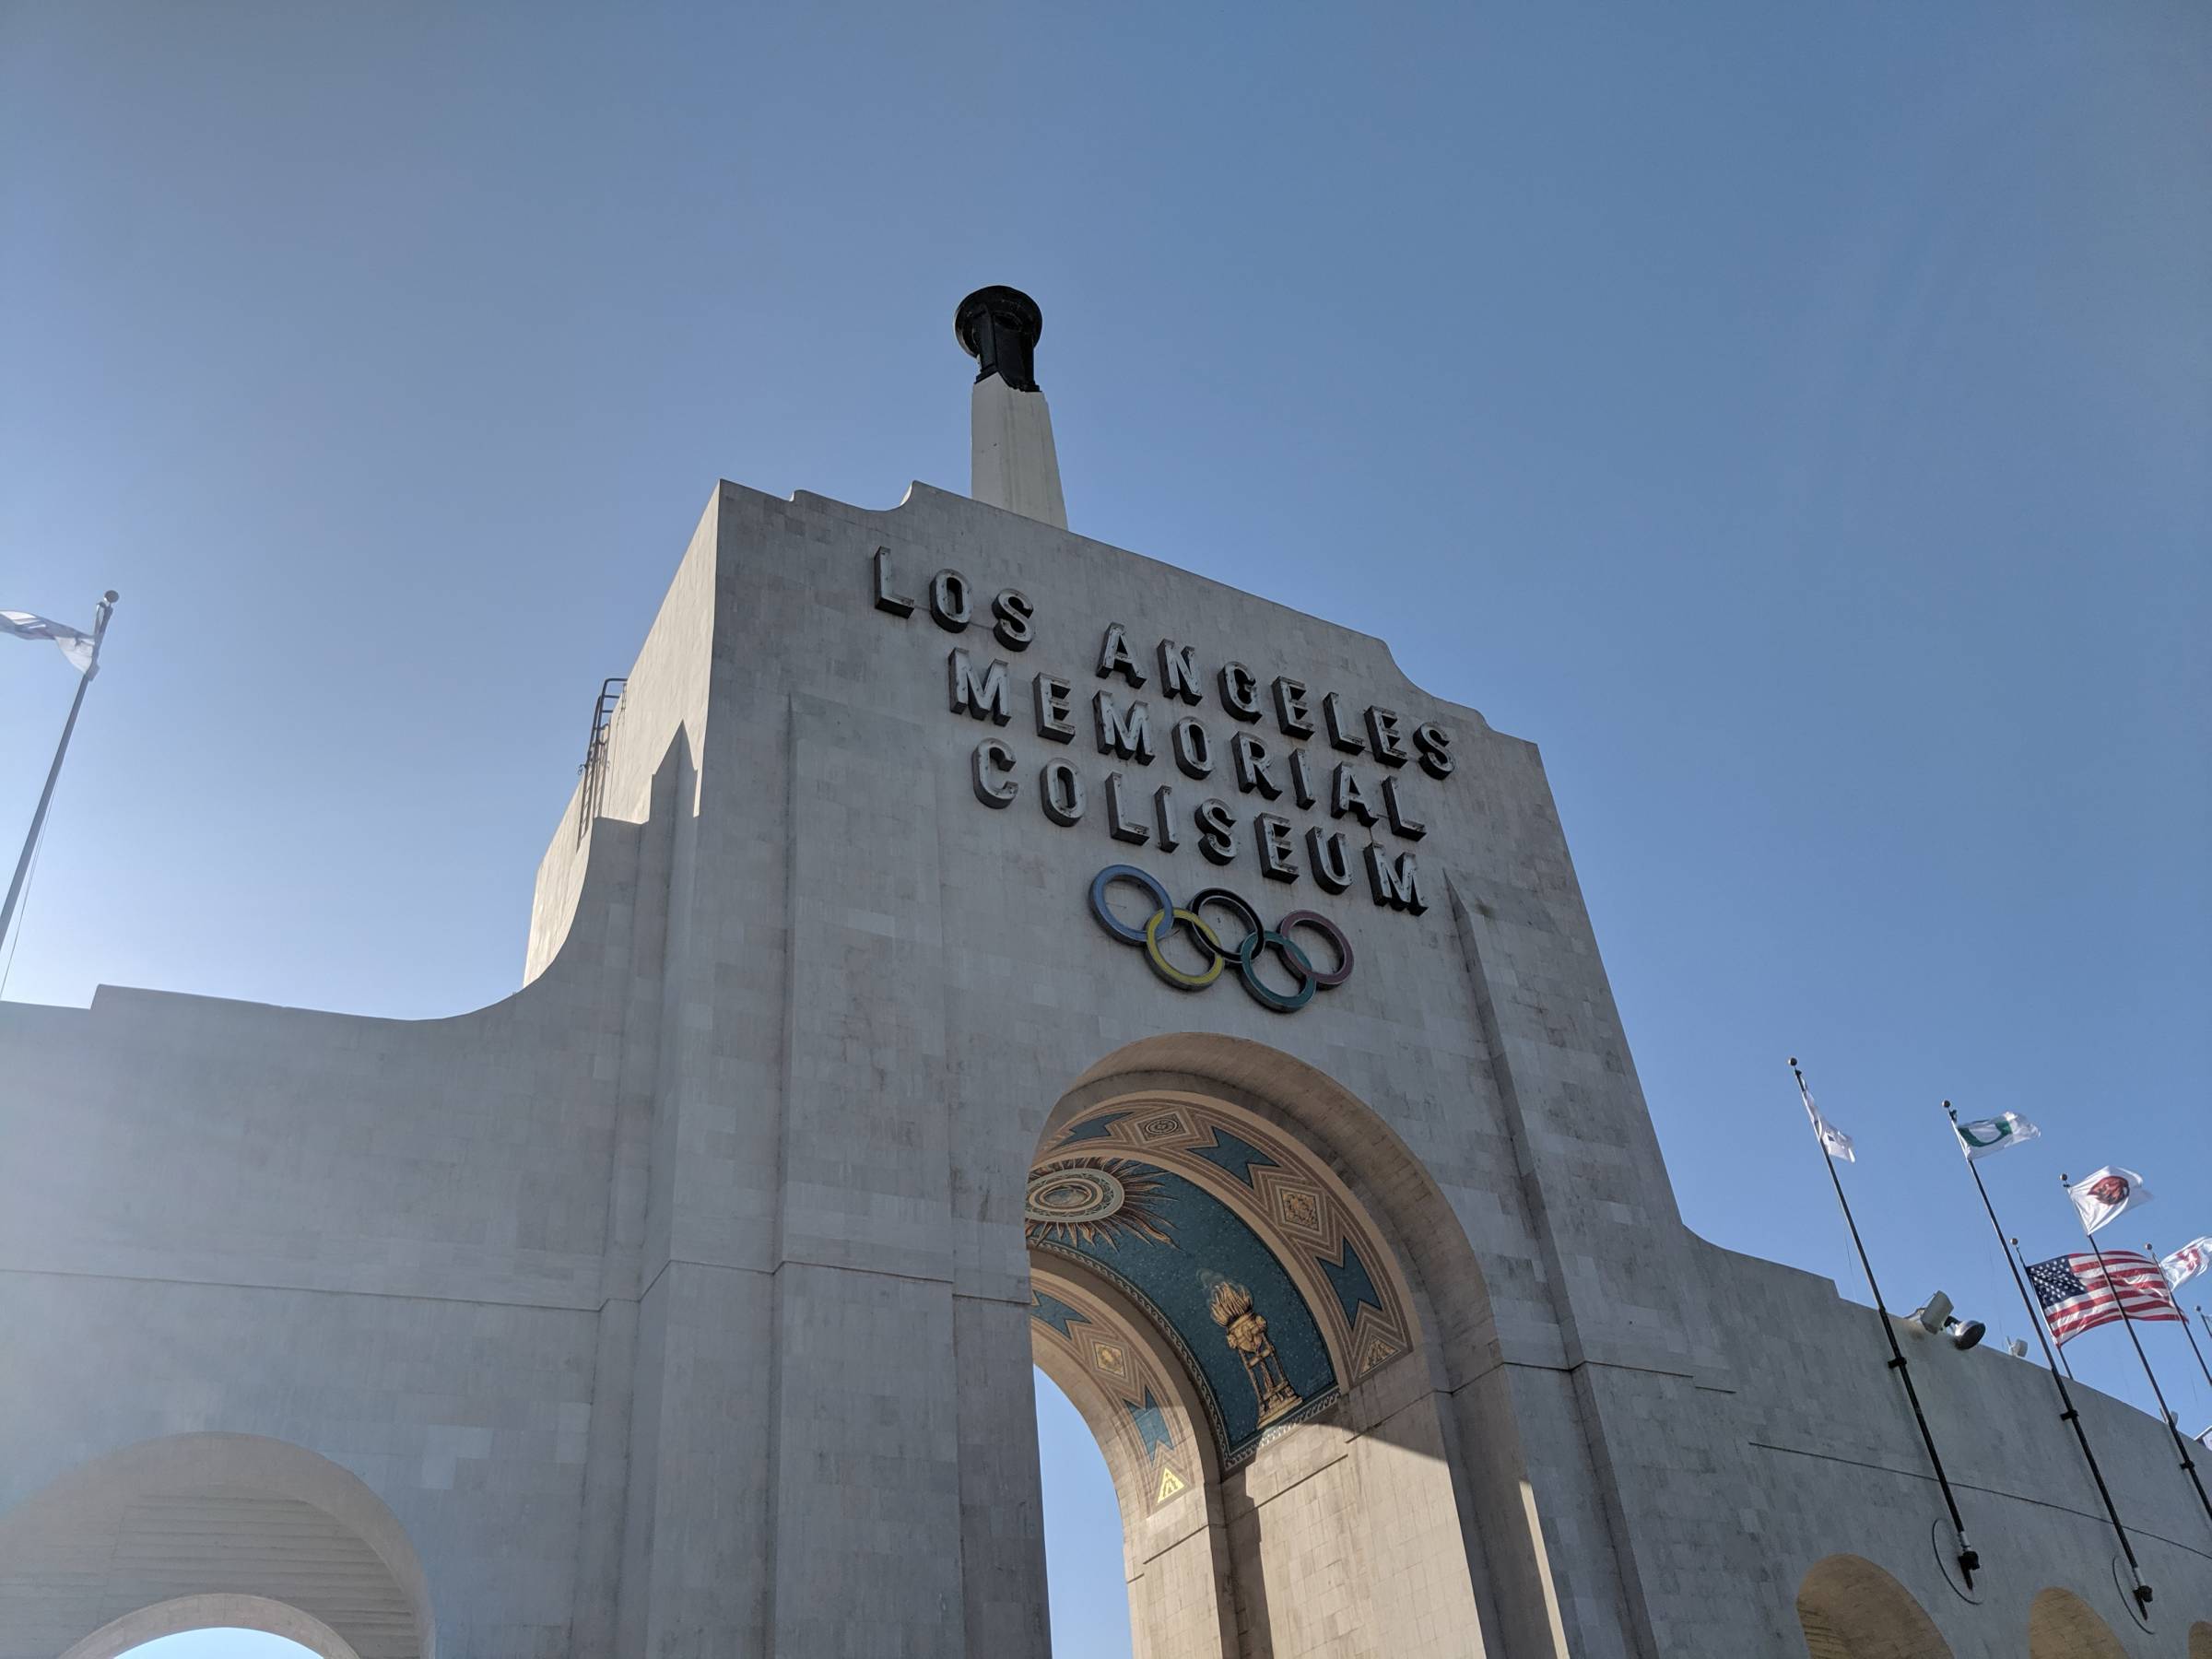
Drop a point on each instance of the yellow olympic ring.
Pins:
(1167, 970)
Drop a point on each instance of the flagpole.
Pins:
(2197, 1351)
(2152, 1252)
(2157, 1393)
(1969, 1559)
(2066, 1414)
(2067, 1364)
(101, 614)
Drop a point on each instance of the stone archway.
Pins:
(1140, 1405)
(1849, 1609)
(2062, 1626)
(220, 1612)
(1242, 1333)
(209, 1530)
(2200, 1640)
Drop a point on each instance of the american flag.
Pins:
(2079, 1293)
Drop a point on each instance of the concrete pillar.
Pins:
(1014, 464)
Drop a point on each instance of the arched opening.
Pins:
(1849, 1609)
(203, 1627)
(221, 1641)
(1089, 1593)
(2062, 1626)
(2200, 1641)
(1253, 1355)
(209, 1531)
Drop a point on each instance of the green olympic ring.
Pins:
(1166, 916)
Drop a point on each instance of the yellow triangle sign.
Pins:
(1170, 1483)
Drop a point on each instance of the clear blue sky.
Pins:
(1796, 421)
(219, 1644)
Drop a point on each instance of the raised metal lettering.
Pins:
(1347, 793)
(886, 600)
(949, 600)
(1395, 810)
(1290, 710)
(1121, 732)
(1062, 789)
(1115, 657)
(1399, 884)
(1118, 823)
(1435, 745)
(1056, 713)
(1383, 738)
(1016, 626)
(1164, 818)
(991, 758)
(1239, 691)
(1250, 755)
(1341, 735)
(1178, 673)
(1194, 750)
(1326, 850)
(1217, 830)
(1271, 837)
(981, 699)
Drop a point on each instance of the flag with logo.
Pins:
(2187, 1262)
(1984, 1135)
(2107, 1195)
(2081, 1291)
(1833, 1141)
(74, 643)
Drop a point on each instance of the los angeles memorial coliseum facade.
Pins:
(972, 946)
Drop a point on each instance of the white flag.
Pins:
(1833, 1141)
(2106, 1195)
(2186, 1263)
(1984, 1135)
(74, 645)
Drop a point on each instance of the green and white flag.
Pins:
(1984, 1135)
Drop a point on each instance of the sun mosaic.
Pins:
(1273, 1185)
(1095, 1200)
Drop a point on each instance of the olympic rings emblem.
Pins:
(1166, 916)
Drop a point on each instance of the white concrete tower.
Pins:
(1015, 465)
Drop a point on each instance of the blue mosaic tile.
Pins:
(1170, 1242)
(1238, 1156)
(1051, 1311)
(1152, 1423)
(1349, 1279)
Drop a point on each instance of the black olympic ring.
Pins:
(1166, 916)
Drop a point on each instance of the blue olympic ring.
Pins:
(1166, 916)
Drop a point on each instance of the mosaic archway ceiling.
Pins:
(1268, 1287)
(1154, 1444)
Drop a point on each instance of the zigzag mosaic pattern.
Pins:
(1119, 1362)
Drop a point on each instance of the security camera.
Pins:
(1930, 1317)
